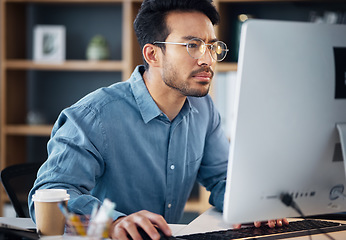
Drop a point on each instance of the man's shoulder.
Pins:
(117, 92)
(104, 96)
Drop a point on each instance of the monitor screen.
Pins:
(290, 94)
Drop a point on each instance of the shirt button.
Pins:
(161, 114)
(172, 167)
(169, 205)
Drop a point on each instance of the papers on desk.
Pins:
(210, 220)
(18, 222)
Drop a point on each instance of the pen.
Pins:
(94, 211)
(73, 219)
(78, 225)
(98, 223)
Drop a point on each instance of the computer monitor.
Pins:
(290, 94)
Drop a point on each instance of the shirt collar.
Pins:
(146, 104)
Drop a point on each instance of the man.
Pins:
(143, 143)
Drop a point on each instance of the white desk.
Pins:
(211, 220)
(28, 223)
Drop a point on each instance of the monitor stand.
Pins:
(342, 133)
(338, 191)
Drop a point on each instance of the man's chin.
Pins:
(199, 93)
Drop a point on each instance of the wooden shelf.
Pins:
(225, 67)
(69, 65)
(29, 130)
(21, 77)
(200, 204)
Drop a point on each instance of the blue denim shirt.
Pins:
(116, 143)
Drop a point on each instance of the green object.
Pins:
(98, 49)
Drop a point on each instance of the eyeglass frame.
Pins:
(206, 44)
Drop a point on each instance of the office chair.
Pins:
(18, 180)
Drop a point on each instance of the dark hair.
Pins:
(150, 23)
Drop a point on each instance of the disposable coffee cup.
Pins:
(49, 219)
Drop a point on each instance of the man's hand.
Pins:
(271, 223)
(127, 226)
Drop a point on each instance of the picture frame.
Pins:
(49, 43)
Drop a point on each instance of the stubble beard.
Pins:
(170, 78)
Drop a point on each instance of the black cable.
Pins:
(289, 202)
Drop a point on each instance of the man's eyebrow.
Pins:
(214, 40)
(189, 37)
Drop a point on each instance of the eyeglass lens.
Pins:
(196, 48)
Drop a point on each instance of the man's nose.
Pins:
(206, 58)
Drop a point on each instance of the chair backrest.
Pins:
(18, 180)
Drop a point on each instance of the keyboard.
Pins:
(294, 229)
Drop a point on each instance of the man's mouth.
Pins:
(204, 74)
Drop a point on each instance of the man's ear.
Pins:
(151, 55)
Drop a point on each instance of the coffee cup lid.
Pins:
(50, 195)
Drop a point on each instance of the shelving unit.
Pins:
(18, 71)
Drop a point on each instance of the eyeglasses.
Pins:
(196, 48)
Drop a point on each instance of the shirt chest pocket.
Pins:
(193, 160)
